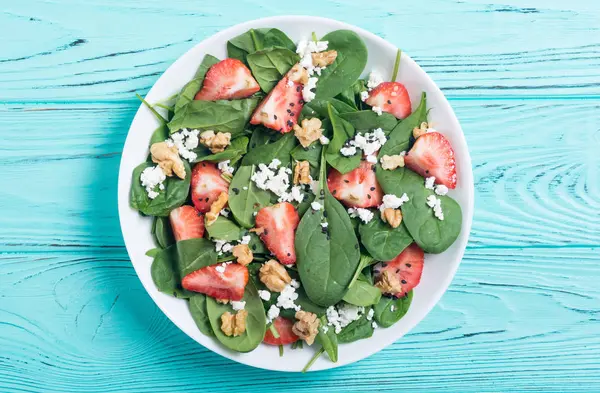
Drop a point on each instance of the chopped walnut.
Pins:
(323, 59)
(168, 159)
(389, 283)
(298, 74)
(309, 132)
(392, 162)
(234, 324)
(216, 208)
(302, 173)
(258, 231)
(306, 326)
(418, 131)
(274, 275)
(243, 254)
(222, 301)
(392, 217)
(215, 142)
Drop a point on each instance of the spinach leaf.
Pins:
(174, 195)
(224, 229)
(318, 108)
(223, 115)
(362, 293)
(270, 65)
(160, 134)
(245, 198)
(165, 273)
(257, 39)
(303, 301)
(153, 252)
(312, 154)
(328, 340)
(326, 259)
(342, 131)
(277, 38)
(234, 152)
(382, 241)
(279, 149)
(199, 313)
(256, 245)
(399, 139)
(263, 136)
(367, 121)
(256, 322)
(194, 254)
(384, 316)
(348, 97)
(162, 233)
(347, 67)
(189, 91)
(364, 261)
(356, 330)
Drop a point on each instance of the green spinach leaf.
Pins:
(234, 152)
(199, 313)
(245, 198)
(328, 339)
(270, 65)
(189, 91)
(162, 233)
(356, 330)
(367, 121)
(319, 108)
(195, 254)
(160, 134)
(362, 293)
(224, 229)
(342, 131)
(312, 154)
(256, 245)
(257, 39)
(165, 273)
(399, 139)
(382, 241)
(389, 310)
(279, 149)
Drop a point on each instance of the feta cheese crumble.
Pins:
(221, 268)
(245, 239)
(371, 313)
(316, 205)
(441, 189)
(264, 295)
(364, 95)
(369, 143)
(324, 224)
(324, 140)
(152, 177)
(325, 329)
(375, 79)
(307, 94)
(272, 313)
(348, 151)
(429, 182)
(372, 159)
(222, 246)
(436, 204)
(185, 141)
(237, 306)
(224, 212)
(224, 167)
(391, 201)
(364, 214)
(374, 325)
(342, 315)
(287, 297)
(275, 179)
(377, 110)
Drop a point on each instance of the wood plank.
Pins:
(513, 320)
(471, 48)
(535, 166)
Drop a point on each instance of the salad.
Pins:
(293, 195)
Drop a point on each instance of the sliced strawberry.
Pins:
(277, 225)
(357, 188)
(207, 185)
(187, 223)
(432, 155)
(407, 266)
(391, 97)
(229, 284)
(280, 110)
(229, 79)
(284, 328)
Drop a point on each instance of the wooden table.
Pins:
(523, 313)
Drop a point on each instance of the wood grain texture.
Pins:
(470, 48)
(512, 320)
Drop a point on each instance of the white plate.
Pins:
(439, 269)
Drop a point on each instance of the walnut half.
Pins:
(392, 217)
(167, 157)
(215, 142)
(234, 324)
(389, 283)
(418, 131)
(302, 172)
(309, 132)
(298, 74)
(306, 326)
(243, 254)
(389, 163)
(215, 209)
(274, 275)
(323, 59)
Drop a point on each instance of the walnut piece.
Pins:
(389, 283)
(323, 59)
(392, 162)
(216, 207)
(274, 275)
(234, 324)
(298, 74)
(222, 301)
(418, 131)
(392, 217)
(309, 132)
(302, 173)
(167, 157)
(243, 254)
(215, 142)
(258, 231)
(306, 326)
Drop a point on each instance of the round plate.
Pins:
(439, 269)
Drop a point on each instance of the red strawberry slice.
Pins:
(187, 223)
(391, 97)
(229, 284)
(207, 185)
(407, 266)
(357, 188)
(280, 110)
(432, 155)
(276, 225)
(284, 328)
(229, 79)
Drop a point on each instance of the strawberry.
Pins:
(407, 266)
(391, 97)
(187, 223)
(276, 225)
(432, 155)
(357, 188)
(280, 110)
(229, 79)
(284, 328)
(207, 185)
(229, 284)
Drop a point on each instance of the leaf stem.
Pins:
(169, 108)
(314, 36)
(226, 177)
(158, 115)
(225, 259)
(257, 44)
(274, 331)
(313, 359)
(396, 65)
(280, 351)
(365, 260)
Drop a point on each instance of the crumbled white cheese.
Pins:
(224, 167)
(369, 143)
(391, 201)
(342, 315)
(375, 79)
(441, 189)
(364, 95)
(185, 141)
(325, 328)
(392, 308)
(222, 246)
(224, 212)
(364, 214)
(227, 247)
(274, 164)
(377, 110)
(245, 188)
(307, 94)
(290, 83)
(318, 70)
(294, 283)
(287, 297)
(316, 205)
(324, 224)
(276, 180)
(324, 140)
(314, 185)
(431, 200)
(310, 46)
(374, 325)
(429, 182)
(297, 194)
(348, 151)
(372, 159)
(264, 295)
(245, 239)
(237, 306)
(221, 268)
(371, 313)
(152, 177)
(436, 204)
(272, 313)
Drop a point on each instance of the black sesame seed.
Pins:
(199, 214)
(289, 111)
(254, 247)
(346, 181)
(203, 164)
(290, 123)
(292, 114)
(369, 196)
(408, 265)
(383, 264)
(298, 88)
(275, 117)
(397, 271)
(301, 102)
(374, 167)
(236, 190)
(281, 129)
(405, 294)
(289, 255)
(265, 232)
(403, 281)
(325, 213)
(206, 200)
(292, 104)
(389, 102)
(334, 192)
(426, 170)
(372, 188)
(253, 145)
(322, 192)
(322, 197)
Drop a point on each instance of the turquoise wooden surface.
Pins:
(523, 313)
